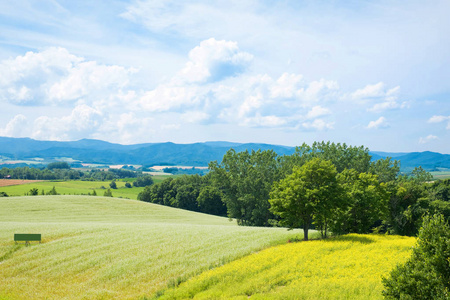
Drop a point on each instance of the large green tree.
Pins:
(245, 179)
(310, 194)
(367, 200)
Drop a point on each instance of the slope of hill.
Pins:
(196, 154)
(109, 248)
(346, 267)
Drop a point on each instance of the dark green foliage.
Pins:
(58, 165)
(310, 194)
(128, 185)
(427, 273)
(107, 193)
(366, 203)
(113, 184)
(52, 191)
(210, 201)
(3, 194)
(245, 180)
(143, 181)
(94, 193)
(406, 206)
(33, 192)
(192, 192)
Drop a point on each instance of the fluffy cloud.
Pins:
(385, 99)
(55, 76)
(439, 119)
(381, 122)
(82, 122)
(318, 124)
(16, 127)
(213, 61)
(429, 138)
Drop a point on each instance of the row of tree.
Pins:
(327, 186)
(55, 173)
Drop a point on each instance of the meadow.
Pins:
(78, 187)
(110, 248)
(346, 267)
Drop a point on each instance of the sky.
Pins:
(372, 73)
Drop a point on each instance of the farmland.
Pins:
(109, 248)
(348, 267)
(72, 187)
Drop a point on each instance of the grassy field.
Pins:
(440, 175)
(348, 267)
(109, 248)
(78, 187)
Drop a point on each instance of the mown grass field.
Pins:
(78, 187)
(347, 267)
(109, 248)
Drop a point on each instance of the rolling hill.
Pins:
(196, 154)
(110, 248)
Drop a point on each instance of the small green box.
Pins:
(27, 237)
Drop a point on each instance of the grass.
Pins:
(78, 187)
(440, 174)
(109, 248)
(347, 267)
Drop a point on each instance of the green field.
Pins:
(109, 248)
(440, 174)
(78, 187)
(347, 267)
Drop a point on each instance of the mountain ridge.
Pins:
(194, 154)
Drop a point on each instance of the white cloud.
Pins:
(318, 124)
(370, 91)
(82, 122)
(195, 116)
(381, 122)
(16, 127)
(214, 60)
(429, 138)
(55, 76)
(317, 111)
(439, 119)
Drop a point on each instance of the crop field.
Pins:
(440, 174)
(109, 248)
(347, 267)
(74, 187)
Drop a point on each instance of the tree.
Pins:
(310, 193)
(107, 193)
(143, 181)
(128, 185)
(210, 201)
(245, 179)
(58, 165)
(113, 184)
(33, 192)
(366, 200)
(426, 275)
(52, 191)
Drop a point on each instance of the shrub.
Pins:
(427, 274)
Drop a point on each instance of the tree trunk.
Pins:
(305, 232)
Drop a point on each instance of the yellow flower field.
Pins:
(347, 267)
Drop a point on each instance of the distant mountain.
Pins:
(196, 154)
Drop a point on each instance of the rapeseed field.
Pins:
(346, 267)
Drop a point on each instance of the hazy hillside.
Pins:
(197, 154)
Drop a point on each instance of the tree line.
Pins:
(324, 186)
(62, 171)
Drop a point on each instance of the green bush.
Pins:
(427, 273)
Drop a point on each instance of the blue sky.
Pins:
(372, 73)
